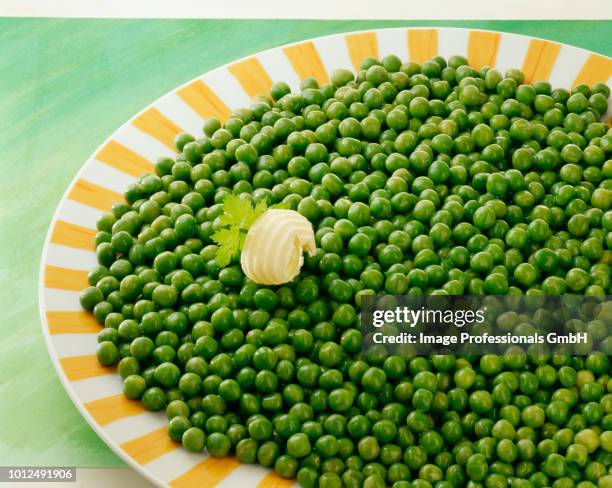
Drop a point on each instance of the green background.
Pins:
(65, 85)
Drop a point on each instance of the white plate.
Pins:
(137, 436)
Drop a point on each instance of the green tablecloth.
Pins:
(65, 85)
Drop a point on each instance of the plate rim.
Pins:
(51, 349)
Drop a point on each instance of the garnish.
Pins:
(239, 214)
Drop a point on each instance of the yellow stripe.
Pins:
(306, 61)
(154, 123)
(482, 48)
(83, 367)
(94, 195)
(252, 76)
(273, 480)
(540, 59)
(150, 446)
(361, 46)
(205, 102)
(72, 235)
(124, 159)
(107, 410)
(597, 68)
(65, 278)
(206, 474)
(72, 323)
(422, 44)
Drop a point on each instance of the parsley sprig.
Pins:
(239, 214)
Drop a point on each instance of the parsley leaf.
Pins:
(282, 205)
(229, 245)
(238, 216)
(255, 213)
(236, 211)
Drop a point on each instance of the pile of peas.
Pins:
(418, 179)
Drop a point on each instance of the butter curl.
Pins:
(274, 246)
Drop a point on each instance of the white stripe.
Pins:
(173, 107)
(78, 213)
(568, 64)
(393, 41)
(91, 389)
(227, 88)
(106, 176)
(333, 53)
(67, 345)
(174, 464)
(134, 426)
(245, 475)
(142, 143)
(61, 300)
(279, 68)
(452, 41)
(511, 53)
(69, 257)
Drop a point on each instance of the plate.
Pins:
(136, 435)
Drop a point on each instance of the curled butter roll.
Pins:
(274, 246)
